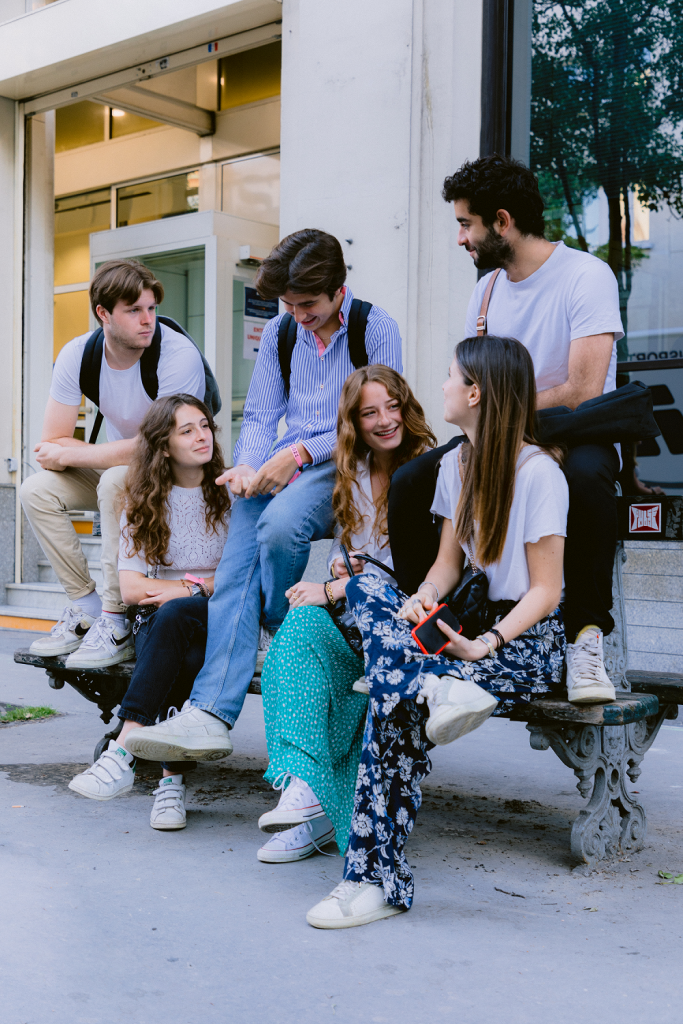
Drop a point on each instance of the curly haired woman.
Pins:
(174, 527)
(314, 719)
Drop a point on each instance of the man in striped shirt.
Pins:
(283, 486)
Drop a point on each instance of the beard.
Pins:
(493, 252)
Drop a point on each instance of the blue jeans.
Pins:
(267, 551)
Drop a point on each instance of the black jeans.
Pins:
(591, 472)
(169, 648)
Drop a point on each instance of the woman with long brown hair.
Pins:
(503, 500)
(314, 719)
(174, 525)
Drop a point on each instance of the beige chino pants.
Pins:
(48, 496)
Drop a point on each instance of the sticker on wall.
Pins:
(645, 518)
(257, 312)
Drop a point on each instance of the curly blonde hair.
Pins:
(149, 481)
(351, 449)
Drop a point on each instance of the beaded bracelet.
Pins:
(499, 637)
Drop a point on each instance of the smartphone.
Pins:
(427, 634)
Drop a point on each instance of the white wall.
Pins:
(379, 102)
(10, 291)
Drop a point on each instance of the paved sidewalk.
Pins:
(106, 920)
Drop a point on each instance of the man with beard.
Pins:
(563, 305)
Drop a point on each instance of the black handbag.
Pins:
(470, 602)
(621, 415)
(339, 611)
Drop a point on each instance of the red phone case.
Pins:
(421, 624)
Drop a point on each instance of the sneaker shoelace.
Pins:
(308, 827)
(100, 631)
(587, 662)
(435, 692)
(289, 794)
(344, 889)
(68, 620)
(108, 767)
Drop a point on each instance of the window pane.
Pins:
(81, 124)
(251, 188)
(123, 123)
(155, 200)
(75, 218)
(607, 145)
(250, 76)
(182, 274)
(72, 317)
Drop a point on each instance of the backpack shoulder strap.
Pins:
(286, 340)
(149, 364)
(89, 377)
(358, 322)
(481, 319)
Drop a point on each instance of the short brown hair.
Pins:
(122, 280)
(308, 262)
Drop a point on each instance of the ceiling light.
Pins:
(117, 113)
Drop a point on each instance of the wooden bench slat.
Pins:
(627, 708)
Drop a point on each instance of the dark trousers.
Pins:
(591, 472)
(169, 651)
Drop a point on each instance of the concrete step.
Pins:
(37, 596)
(46, 573)
(11, 611)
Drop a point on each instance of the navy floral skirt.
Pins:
(394, 760)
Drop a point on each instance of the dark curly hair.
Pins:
(494, 183)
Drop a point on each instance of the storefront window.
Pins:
(607, 145)
(155, 200)
(249, 76)
(251, 188)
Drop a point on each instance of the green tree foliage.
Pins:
(607, 111)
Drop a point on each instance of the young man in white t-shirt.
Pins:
(124, 295)
(563, 305)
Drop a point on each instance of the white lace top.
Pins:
(193, 548)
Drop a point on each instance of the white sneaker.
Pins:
(169, 805)
(191, 735)
(66, 636)
(587, 681)
(297, 804)
(106, 644)
(298, 843)
(456, 707)
(351, 904)
(361, 686)
(112, 774)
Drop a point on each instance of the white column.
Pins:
(10, 292)
(380, 101)
(39, 274)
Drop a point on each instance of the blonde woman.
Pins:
(314, 719)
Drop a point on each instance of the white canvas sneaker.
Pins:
(351, 904)
(298, 843)
(168, 812)
(112, 774)
(190, 735)
(456, 707)
(106, 644)
(587, 680)
(66, 636)
(297, 804)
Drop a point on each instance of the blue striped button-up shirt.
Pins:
(315, 387)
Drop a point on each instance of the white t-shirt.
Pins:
(365, 539)
(572, 295)
(539, 509)
(123, 399)
(192, 548)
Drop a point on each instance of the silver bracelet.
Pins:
(487, 642)
(428, 583)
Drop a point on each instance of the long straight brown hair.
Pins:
(503, 370)
(351, 449)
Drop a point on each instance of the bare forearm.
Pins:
(97, 456)
(564, 394)
(443, 575)
(538, 602)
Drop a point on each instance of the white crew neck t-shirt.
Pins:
(366, 539)
(123, 399)
(192, 548)
(572, 295)
(539, 509)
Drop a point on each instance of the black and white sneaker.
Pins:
(106, 644)
(66, 636)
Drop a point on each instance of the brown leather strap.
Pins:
(481, 319)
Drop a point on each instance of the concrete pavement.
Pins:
(106, 920)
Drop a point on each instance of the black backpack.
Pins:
(358, 321)
(91, 364)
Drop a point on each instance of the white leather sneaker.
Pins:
(456, 707)
(351, 904)
(297, 804)
(168, 812)
(587, 680)
(106, 644)
(112, 774)
(66, 636)
(298, 843)
(361, 685)
(191, 735)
